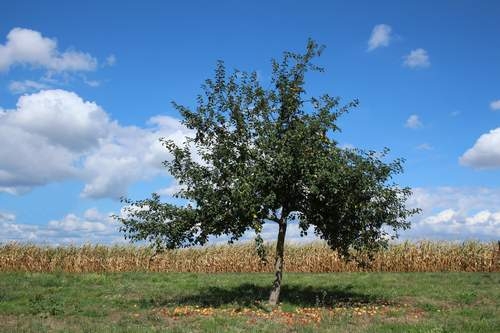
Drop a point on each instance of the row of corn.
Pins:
(317, 257)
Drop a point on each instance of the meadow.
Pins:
(236, 302)
(411, 287)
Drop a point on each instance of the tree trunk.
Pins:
(278, 264)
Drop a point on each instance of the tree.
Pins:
(268, 155)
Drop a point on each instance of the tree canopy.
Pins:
(269, 155)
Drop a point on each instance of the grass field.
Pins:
(236, 302)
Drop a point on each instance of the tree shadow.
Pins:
(251, 295)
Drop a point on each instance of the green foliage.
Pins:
(269, 154)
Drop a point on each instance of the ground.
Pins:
(229, 302)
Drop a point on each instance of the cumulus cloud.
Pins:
(413, 122)
(417, 59)
(495, 105)
(55, 135)
(462, 199)
(485, 154)
(28, 47)
(453, 225)
(448, 213)
(92, 222)
(129, 154)
(61, 117)
(28, 159)
(452, 213)
(96, 227)
(93, 227)
(380, 37)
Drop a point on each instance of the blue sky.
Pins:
(85, 91)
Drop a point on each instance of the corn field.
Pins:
(314, 258)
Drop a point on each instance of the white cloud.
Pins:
(381, 36)
(269, 233)
(61, 117)
(495, 105)
(462, 199)
(128, 155)
(14, 232)
(91, 83)
(26, 86)
(92, 222)
(413, 122)
(425, 146)
(171, 190)
(347, 146)
(94, 227)
(453, 225)
(417, 59)
(15, 190)
(452, 213)
(485, 154)
(28, 159)
(7, 217)
(29, 47)
(443, 216)
(449, 213)
(110, 60)
(55, 135)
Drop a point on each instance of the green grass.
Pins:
(145, 302)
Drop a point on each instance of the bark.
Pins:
(278, 264)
